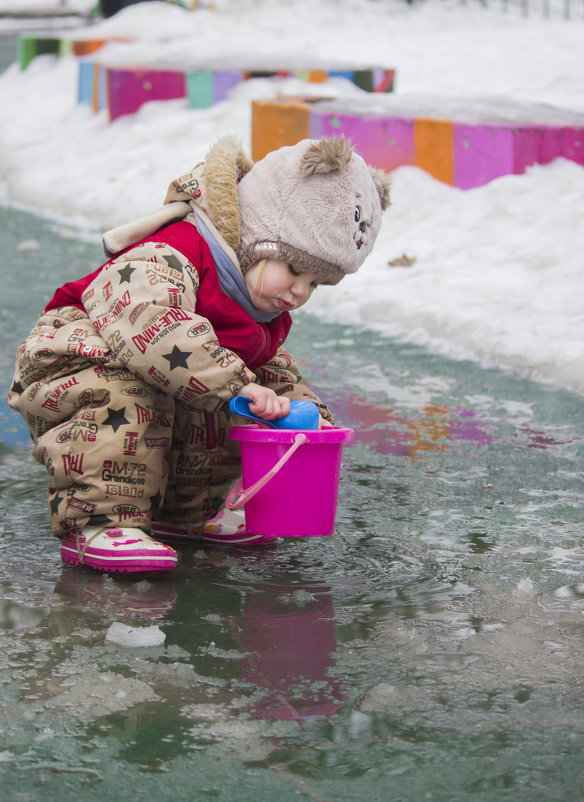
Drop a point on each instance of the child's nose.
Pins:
(300, 288)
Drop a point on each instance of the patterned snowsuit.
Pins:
(124, 386)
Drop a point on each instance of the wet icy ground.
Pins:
(431, 649)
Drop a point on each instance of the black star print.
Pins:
(173, 262)
(115, 418)
(177, 358)
(98, 520)
(125, 273)
(156, 500)
(17, 388)
(54, 503)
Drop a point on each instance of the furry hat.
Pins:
(315, 205)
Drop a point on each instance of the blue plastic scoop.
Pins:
(302, 415)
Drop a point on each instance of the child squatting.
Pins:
(125, 379)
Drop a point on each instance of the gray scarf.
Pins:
(231, 281)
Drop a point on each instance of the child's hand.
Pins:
(264, 402)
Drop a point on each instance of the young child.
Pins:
(125, 379)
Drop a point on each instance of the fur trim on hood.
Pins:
(211, 187)
(209, 190)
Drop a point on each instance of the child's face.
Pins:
(278, 287)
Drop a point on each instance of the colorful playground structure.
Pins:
(458, 145)
(462, 151)
(124, 89)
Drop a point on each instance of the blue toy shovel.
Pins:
(302, 415)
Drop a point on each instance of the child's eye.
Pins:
(293, 271)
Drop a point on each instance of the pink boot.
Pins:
(228, 526)
(116, 549)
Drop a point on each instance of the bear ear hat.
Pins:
(334, 153)
(316, 205)
(325, 156)
(381, 182)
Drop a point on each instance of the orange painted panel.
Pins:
(84, 47)
(98, 69)
(317, 76)
(434, 146)
(277, 123)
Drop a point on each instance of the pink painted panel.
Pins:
(527, 146)
(384, 142)
(481, 153)
(564, 142)
(128, 89)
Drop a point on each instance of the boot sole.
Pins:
(126, 564)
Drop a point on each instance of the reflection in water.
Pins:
(289, 631)
(117, 596)
(284, 631)
(432, 428)
(282, 623)
(539, 439)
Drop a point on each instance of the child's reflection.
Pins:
(284, 628)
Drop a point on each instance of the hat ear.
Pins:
(326, 155)
(381, 182)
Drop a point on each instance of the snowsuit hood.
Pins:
(209, 190)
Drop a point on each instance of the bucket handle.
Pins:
(238, 496)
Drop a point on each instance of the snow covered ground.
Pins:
(497, 272)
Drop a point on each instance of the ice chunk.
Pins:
(135, 637)
(524, 588)
(97, 694)
(28, 245)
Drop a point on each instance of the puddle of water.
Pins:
(430, 649)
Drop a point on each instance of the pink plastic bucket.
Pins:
(290, 479)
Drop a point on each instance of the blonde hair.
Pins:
(258, 278)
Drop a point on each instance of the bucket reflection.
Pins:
(288, 630)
